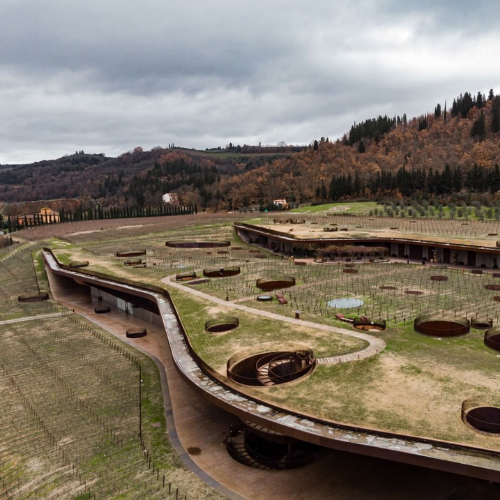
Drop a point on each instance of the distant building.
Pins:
(45, 216)
(171, 198)
(281, 203)
(48, 215)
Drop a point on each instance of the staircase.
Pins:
(236, 448)
(263, 373)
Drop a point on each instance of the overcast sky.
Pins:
(109, 75)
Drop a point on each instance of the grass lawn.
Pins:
(356, 207)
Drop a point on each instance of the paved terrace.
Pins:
(218, 390)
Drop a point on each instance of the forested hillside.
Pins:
(438, 153)
(136, 178)
(454, 149)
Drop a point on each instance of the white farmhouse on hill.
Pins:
(171, 198)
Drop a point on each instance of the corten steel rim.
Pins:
(130, 253)
(78, 263)
(188, 276)
(271, 368)
(222, 325)
(492, 234)
(477, 271)
(222, 272)
(441, 327)
(33, 297)
(483, 416)
(136, 333)
(222, 252)
(197, 244)
(350, 270)
(414, 292)
(492, 338)
(388, 287)
(132, 262)
(378, 325)
(492, 287)
(439, 278)
(481, 324)
(269, 284)
(102, 309)
(496, 298)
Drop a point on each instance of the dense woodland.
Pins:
(451, 152)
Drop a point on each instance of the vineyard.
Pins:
(82, 414)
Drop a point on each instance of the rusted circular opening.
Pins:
(221, 325)
(496, 298)
(492, 338)
(477, 271)
(269, 284)
(33, 297)
(492, 234)
(221, 272)
(481, 324)
(350, 270)
(367, 325)
(130, 253)
(135, 333)
(186, 276)
(484, 418)
(414, 292)
(388, 287)
(492, 287)
(102, 309)
(136, 262)
(439, 327)
(197, 244)
(78, 263)
(271, 368)
(439, 278)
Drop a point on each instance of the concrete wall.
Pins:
(138, 312)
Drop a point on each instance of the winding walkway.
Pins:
(374, 347)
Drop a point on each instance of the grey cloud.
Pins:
(110, 75)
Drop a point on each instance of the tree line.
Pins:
(450, 180)
(94, 213)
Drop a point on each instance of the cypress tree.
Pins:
(495, 115)
(479, 127)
